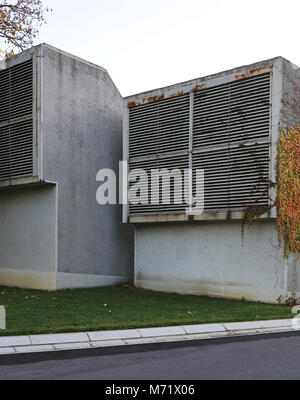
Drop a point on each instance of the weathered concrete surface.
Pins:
(82, 133)
(209, 259)
(28, 279)
(28, 237)
(73, 281)
(79, 131)
(290, 102)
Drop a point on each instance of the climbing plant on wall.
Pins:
(288, 193)
(288, 190)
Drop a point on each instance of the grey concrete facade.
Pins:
(208, 258)
(78, 131)
(204, 254)
(28, 237)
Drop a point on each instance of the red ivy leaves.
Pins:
(288, 190)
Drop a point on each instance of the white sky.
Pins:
(146, 44)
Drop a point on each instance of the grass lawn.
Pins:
(34, 311)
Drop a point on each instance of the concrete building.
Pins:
(228, 125)
(60, 123)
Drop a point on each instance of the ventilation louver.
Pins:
(159, 139)
(231, 136)
(231, 142)
(16, 121)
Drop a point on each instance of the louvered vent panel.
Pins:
(249, 174)
(250, 109)
(21, 90)
(211, 117)
(21, 144)
(216, 183)
(4, 95)
(170, 163)
(237, 111)
(231, 142)
(4, 152)
(234, 178)
(16, 123)
(159, 127)
(228, 119)
(16, 155)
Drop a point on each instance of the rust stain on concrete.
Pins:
(197, 88)
(254, 72)
(178, 93)
(131, 104)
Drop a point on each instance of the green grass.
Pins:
(33, 311)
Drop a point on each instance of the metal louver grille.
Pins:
(230, 132)
(238, 111)
(248, 175)
(16, 121)
(179, 162)
(159, 139)
(231, 142)
(234, 178)
(159, 127)
(216, 181)
(211, 117)
(4, 95)
(250, 109)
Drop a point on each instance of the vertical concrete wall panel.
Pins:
(82, 133)
(209, 259)
(28, 237)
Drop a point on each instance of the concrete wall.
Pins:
(290, 105)
(82, 133)
(28, 237)
(55, 235)
(209, 259)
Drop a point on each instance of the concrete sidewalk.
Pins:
(85, 340)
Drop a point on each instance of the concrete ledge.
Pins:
(89, 340)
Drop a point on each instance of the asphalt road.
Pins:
(260, 357)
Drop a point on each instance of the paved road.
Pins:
(261, 357)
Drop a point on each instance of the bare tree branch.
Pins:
(20, 21)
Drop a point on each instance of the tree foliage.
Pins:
(288, 190)
(288, 193)
(20, 21)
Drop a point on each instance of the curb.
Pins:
(89, 340)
